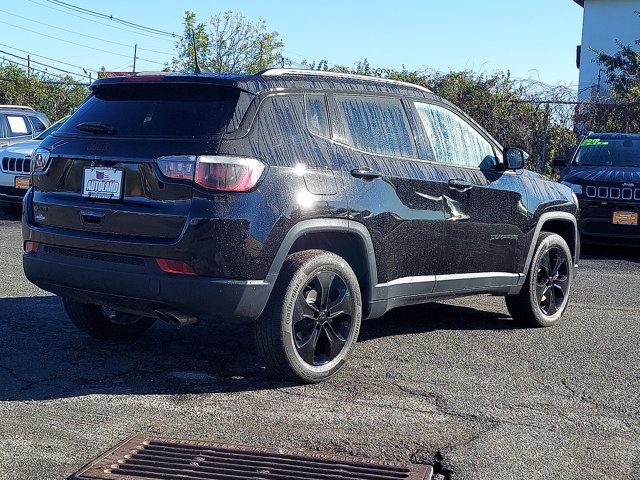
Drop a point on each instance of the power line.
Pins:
(40, 63)
(82, 34)
(13, 62)
(98, 22)
(48, 82)
(77, 44)
(48, 58)
(114, 19)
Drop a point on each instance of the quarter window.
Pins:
(38, 126)
(317, 117)
(376, 125)
(18, 126)
(453, 140)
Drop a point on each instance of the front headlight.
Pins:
(40, 159)
(575, 188)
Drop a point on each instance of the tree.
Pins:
(228, 43)
(37, 91)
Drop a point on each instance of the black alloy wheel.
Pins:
(552, 283)
(322, 318)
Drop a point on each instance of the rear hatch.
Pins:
(102, 175)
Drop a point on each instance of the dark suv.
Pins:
(604, 173)
(299, 201)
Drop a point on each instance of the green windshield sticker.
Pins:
(593, 142)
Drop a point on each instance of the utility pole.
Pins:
(545, 141)
(28, 66)
(135, 56)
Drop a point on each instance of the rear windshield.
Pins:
(609, 152)
(159, 110)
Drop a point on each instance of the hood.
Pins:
(610, 176)
(21, 149)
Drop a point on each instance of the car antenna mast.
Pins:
(195, 53)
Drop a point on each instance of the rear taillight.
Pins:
(40, 159)
(228, 174)
(177, 166)
(220, 173)
(175, 266)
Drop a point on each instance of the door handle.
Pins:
(365, 173)
(459, 184)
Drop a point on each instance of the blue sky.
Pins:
(533, 39)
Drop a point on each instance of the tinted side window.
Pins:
(317, 117)
(376, 125)
(18, 125)
(37, 124)
(453, 140)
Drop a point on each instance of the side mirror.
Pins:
(515, 158)
(560, 161)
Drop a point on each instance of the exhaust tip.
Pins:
(176, 317)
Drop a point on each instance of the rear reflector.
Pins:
(175, 266)
(31, 247)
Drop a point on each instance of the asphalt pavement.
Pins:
(455, 384)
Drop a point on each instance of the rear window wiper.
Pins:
(97, 127)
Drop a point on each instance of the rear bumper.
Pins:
(137, 285)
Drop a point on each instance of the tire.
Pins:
(545, 294)
(298, 315)
(103, 324)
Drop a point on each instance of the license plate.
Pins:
(23, 182)
(100, 182)
(625, 218)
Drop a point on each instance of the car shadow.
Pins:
(610, 252)
(43, 356)
(10, 213)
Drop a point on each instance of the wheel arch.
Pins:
(561, 223)
(337, 236)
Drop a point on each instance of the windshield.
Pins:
(155, 110)
(51, 129)
(609, 152)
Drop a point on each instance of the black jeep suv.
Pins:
(300, 201)
(604, 173)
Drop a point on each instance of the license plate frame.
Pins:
(22, 183)
(104, 183)
(625, 218)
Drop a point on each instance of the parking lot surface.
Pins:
(457, 384)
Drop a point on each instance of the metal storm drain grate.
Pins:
(144, 457)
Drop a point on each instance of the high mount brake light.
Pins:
(219, 173)
(228, 174)
(144, 78)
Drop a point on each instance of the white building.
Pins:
(605, 23)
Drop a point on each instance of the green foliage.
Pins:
(229, 42)
(55, 100)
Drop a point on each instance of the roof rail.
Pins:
(269, 72)
(18, 107)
